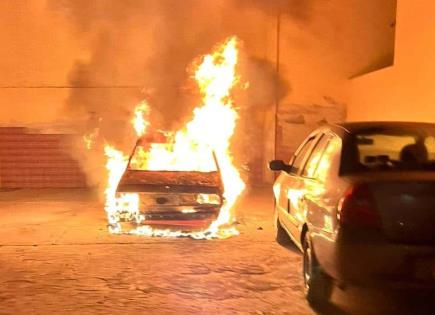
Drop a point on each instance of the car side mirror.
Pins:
(279, 165)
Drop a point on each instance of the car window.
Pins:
(373, 146)
(324, 166)
(390, 148)
(317, 153)
(301, 154)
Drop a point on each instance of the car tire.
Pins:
(282, 237)
(317, 283)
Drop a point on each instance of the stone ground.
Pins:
(56, 257)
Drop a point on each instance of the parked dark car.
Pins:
(358, 199)
(187, 200)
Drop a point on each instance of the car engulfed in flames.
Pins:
(181, 183)
(180, 199)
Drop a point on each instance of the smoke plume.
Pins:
(145, 49)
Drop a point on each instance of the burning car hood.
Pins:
(170, 181)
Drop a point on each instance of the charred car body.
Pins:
(186, 199)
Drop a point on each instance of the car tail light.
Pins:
(357, 208)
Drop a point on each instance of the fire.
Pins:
(115, 165)
(89, 139)
(139, 122)
(210, 129)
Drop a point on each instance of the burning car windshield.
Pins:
(385, 149)
(164, 157)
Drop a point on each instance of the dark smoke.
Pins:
(151, 44)
(144, 49)
(146, 44)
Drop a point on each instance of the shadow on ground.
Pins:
(376, 301)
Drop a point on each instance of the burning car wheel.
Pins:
(316, 283)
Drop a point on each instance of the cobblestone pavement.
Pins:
(56, 257)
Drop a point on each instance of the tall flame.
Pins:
(214, 123)
(115, 165)
(211, 128)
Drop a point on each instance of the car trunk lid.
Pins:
(170, 182)
(406, 205)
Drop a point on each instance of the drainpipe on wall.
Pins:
(278, 31)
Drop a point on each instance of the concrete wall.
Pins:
(404, 91)
(321, 45)
(342, 39)
(105, 43)
(148, 44)
(36, 50)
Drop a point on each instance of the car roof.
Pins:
(355, 127)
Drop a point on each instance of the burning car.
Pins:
(187, 199)
(188, 180)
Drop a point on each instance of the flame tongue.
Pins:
(214, 123)
(211, 128)
(139, 122)
(116, 164)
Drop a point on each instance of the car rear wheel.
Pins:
(281, 234)
(317, 283)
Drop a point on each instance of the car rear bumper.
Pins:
(361, 260)
(185, 217)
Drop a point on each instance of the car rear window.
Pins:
(391, 149)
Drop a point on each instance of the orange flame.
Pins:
(211, 128)
(90, 138)
(115, 165)
(140, 124)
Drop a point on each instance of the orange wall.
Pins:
(42, 41)
(321, 47)
(37, 49)
(341, 39)
(406, 90)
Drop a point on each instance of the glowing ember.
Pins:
(210, 129)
